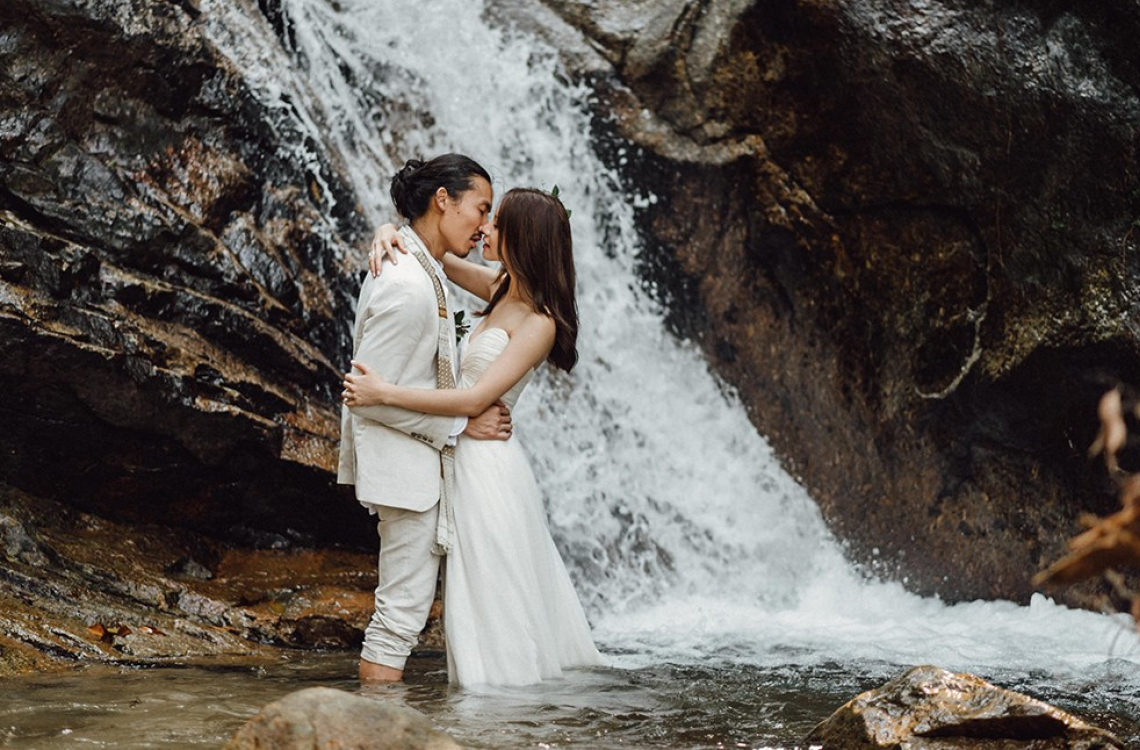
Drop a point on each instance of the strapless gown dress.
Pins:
(511, 615)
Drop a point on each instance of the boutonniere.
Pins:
(462, 326)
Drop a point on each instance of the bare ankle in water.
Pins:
(373, 674)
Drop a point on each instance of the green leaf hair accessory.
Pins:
(554, 194)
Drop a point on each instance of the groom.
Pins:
(392, 455)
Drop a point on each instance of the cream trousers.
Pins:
(407, 577)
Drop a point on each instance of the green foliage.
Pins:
(554, 192)
(462, 325)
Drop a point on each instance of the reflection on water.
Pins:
(101, 706)
(669, 706)
(708, 705)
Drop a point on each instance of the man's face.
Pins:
(463, 217)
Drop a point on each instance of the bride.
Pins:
(511, 615)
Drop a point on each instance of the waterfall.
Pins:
(682, 532)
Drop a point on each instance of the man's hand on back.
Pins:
(493, 424)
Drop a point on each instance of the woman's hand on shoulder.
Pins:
(365, 389)
(387, 237)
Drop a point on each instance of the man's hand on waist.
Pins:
(493, 424)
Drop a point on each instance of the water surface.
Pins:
(718, 702)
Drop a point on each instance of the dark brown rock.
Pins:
(929, 708)
(78, 588)
(324, 719)
(906, 234)
(172, 293)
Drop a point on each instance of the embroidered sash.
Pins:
(444, 378)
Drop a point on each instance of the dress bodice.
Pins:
(483, 348)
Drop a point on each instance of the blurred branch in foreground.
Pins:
(1111, 543)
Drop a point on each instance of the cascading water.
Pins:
(687, 540)
(637, 505)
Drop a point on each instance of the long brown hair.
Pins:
(536, 248)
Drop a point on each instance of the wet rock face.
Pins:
(173, 305)
(76, 588)
(79, 589)
(929, 708)
(909, 235)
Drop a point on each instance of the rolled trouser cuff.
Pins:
(374, 655)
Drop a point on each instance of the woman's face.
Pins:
(462, 217)
(490, 231)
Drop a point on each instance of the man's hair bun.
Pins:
(417, 181)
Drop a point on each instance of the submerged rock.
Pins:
(906, 233)
(324, 719)
(929, 708)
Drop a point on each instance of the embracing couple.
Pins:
(425, 433)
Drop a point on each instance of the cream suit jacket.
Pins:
(392, 454)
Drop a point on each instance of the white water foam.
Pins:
(685, 537)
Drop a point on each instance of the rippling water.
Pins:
(716, 702)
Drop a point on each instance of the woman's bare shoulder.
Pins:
(530, 322)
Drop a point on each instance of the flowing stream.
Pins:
(728, 613)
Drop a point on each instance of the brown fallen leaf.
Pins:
(1118, 550)
(108, 633)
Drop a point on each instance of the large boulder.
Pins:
(929, 708)
(328, 719)
(906, 234)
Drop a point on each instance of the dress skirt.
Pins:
(511, 615)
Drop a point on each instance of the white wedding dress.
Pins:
(510, 612)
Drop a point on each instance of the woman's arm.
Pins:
(384, 245)
(477, 279)
(529, 345)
